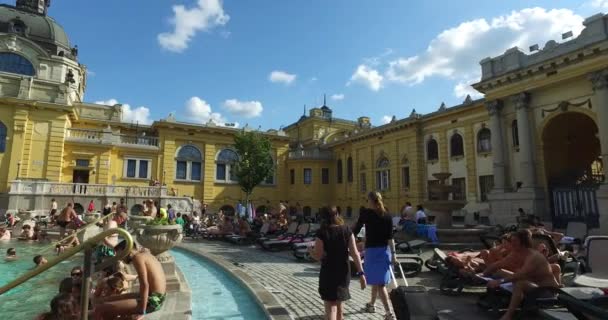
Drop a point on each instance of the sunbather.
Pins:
(535, 272)
(512, 262)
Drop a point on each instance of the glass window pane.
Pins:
(14, 63)
(307, 176)
(2, 137)
(269, 179)
(143, 169)
(196, 171)
(180, 170)
(189, 153)
(233, 176)
(220, 172)
(131, 165)
(325, 175)
(227, 156)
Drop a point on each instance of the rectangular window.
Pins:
(143, 169)
(307, 176)
(82, 163)
(181, 170)
(196, 171)
(137, 169)
(430, 184)
(363, 182)
(405, 178)
(292, 176)
(220, 172)
(486, 183)
(460, 190)
(325, 175)
(131, 168)
(382, 180)
(269, 179)
(232, 171)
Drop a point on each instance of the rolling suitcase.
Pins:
(412, 303)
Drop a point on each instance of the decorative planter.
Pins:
(159, 238)
(139, 221)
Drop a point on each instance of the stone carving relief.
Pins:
(565, 105)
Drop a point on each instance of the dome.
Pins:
(39, 28)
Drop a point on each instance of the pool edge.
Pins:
(269, 303)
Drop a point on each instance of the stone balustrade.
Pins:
(314, 154)
(110, 138)
(19, 187)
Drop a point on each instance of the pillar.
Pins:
(599, 81)
(521, 102)
(494, 109)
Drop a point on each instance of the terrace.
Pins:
(107, 137)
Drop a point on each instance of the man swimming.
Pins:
(11, 254)
(152, 288)
(40, 260)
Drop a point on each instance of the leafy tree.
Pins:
(255, 161)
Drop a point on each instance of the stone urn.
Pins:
(159, 238)
(139, 221)
(91, 217)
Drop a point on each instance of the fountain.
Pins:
(442, 209)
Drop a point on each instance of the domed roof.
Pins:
(40, 28)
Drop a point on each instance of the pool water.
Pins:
(216, 294)
(34, 296)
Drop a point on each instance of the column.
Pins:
(521, 102)
(599, 81)
(498, 156)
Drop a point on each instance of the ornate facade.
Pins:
(536, 140)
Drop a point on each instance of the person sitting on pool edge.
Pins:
(11, 254)
(40, 260)
(152, 288)
(5, 234)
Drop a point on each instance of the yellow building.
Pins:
(536, 141)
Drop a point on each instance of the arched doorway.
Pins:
(572, 167)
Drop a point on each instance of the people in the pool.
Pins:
(152, 288)
(11, 254)
(27, 233)
(40, 260)
(5, 234)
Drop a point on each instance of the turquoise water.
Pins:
(32, 297)
(216, 294)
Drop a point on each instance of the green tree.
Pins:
(255, 161)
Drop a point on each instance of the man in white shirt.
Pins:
(53, 209)
(408, 211)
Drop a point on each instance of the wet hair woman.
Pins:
(333, 244)
(379, 250)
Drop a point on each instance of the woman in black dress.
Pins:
(333, 244)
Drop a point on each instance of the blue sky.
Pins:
(215, 59)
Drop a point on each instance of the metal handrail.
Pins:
(87, 245)
(77, 232)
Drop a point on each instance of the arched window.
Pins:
(3, 133)
(349, 169)
(224, 164)
(515, 133)
(188, 163)
(383, 174)
(339, 170)
(484, 140)
(432, 150)
(456, 146)
(14, 63)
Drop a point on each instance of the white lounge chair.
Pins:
(596, 267)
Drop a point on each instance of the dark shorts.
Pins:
(63, 224)
(53, 212)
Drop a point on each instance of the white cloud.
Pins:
(386, 119)
(139, 115)
(375, 61)
(278, 76)
(91, 73)
(313, 79)
(367, 76)
(337, 96)
(247, 109)
(199, 110)
(463, 88)
(206, 15)
(455, 53)
(601, 4)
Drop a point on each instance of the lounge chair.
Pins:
(250, 237)
(596, 263)
(291, 230)
(576, 232)
(285, 242)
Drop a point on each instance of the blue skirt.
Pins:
(377, 265)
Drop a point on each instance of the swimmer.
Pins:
(40, 260)
(11, 254)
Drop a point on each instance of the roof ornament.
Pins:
(414, 114)
(442, 107)
(394, 119)
(324, 100)
(468, 99)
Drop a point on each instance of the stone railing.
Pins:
(110, 138)
(314, 154)
(83, 189)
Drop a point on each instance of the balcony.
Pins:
(19, 187)
(314, 154)
(107, 137)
